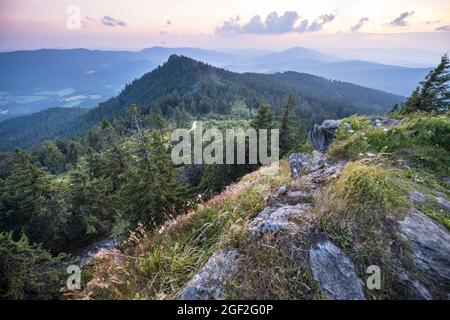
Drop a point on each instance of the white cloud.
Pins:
(443, 28)
(274, 24)
(112, 22)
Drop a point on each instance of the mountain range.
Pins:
(185, 85)
(32, 81)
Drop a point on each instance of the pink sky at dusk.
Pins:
(135, 24)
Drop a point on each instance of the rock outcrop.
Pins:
(276, 218)
(315, 165)
(303, 163)
(208, 283)
(430, 242)
(335, 272)
(322, 135)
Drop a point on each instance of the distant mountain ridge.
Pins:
(201, 89)
(31, 81)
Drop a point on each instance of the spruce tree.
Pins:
(263, 118)
(92, 204)
(432, 95)
(287, 139)
(153, 192)
(31, 204)
(28, 271)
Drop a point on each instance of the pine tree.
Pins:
(432, 95)
(287, 139)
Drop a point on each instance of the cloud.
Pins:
(400, 21)
(360, 24)
(432, 21)
(111, 22)
(443, 28)
(86, 21)
(274, 24)
(318, 24)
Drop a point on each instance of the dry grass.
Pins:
(359, 212)
(157, 264)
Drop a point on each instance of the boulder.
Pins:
(322, 135)
(208, 283)
(335, 272)
(430, 242)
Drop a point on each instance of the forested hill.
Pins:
(31, 129)
(200, 89)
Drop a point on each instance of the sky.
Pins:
(226, 25)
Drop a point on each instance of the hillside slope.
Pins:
(318, 229)
(32, 129)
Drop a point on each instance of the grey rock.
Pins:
(275, 219)
(322, 135)
(303, 163)
(296, 162)
(282, 190)
(87, 254)
(420, 291)
(208, 283)
(347, 126)
(430, 242)
(385, 122)
(328, 172)
(299, 196)
(335, 272)
(443, 202)
(416, 196)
